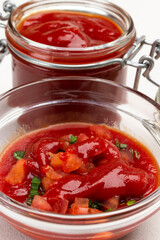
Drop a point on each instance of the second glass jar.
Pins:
(33, 61)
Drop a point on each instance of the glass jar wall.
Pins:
(33, 60)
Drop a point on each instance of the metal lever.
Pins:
(155, 49)
(8, 7)
(3, 49)
(149, 63)
(145, 63)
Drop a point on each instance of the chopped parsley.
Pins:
(109, 209)
(120, 145)
(137, 155)
(72, 139)
(117, 143)
(123, 146)
(18, 154)
(134, 153)
(95, 205)
(131, 151)
(34, 190)
(34, 187)
(122, 203)
(29, 201)
(130, 202)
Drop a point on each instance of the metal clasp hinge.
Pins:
(3, 49)
(8, 7)
(145, 62)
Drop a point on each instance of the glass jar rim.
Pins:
(127, 35)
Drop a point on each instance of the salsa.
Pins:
(69, 29)
(77, 168)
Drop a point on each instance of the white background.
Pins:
(146, 16)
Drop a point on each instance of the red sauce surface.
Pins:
(103, 169)
(69, 29)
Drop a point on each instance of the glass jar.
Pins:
(78, 99)
(33, 61)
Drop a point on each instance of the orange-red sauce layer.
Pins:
(81, 169)
(69, 29)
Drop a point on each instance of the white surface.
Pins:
(145, 14)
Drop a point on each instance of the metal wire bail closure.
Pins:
(8, 7)
(3, 49)
(148, 61)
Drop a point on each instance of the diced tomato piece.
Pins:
(64, 142)
(51, 176)
(18, 173)
(85, 168)
(61, 173)
(50, 172)
(80, 206)
(93, 211)
(40, 203)
(45, 169)
(76, 210)
(67, 161)
(101, 131)
(59, 205)
(112, 203)
(82, 202)
(46, 183)
(72, 163)
(82, 137)
(65, 138)
(56, 162)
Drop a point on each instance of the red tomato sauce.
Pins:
(77, 169)
(69, 29)
(69, 34)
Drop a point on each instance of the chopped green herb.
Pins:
(35, 183)
(34, 187)
(33, 192)
(137, 155)
(117, 143)
(122, 203)
(29, 201)
(18, 154)
(109, 209)
(95, 205)
(130, 202)
(134, 153)
(120, 145)
(123, 146)
(131, 151)
(72, 139)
